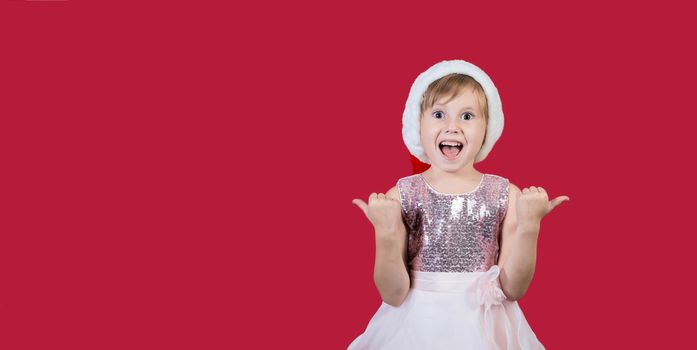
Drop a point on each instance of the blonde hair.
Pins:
(452, 85)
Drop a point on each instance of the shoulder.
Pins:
(513, 189)
(513, 193)
(511, 199)
(396, 191)
(508, 193)
(504, 183)
(408, 179)
(493, 178)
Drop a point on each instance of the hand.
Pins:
(383, 212)
(533, 205)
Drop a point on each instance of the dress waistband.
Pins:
(449, 281)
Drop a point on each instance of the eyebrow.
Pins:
(442, 105)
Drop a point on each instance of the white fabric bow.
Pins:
(503, 322)
(489, 290)
(490, 294)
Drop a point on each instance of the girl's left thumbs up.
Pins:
(559, 200)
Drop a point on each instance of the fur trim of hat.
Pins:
(412, 110)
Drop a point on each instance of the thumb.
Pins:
(559, 200)
(361, 204)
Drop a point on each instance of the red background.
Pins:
(180, 174)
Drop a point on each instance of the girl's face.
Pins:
(459, 120)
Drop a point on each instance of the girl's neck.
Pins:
(465, 173)
(465, 180)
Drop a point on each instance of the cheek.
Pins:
(477, 132)
(424, 129)
(427, 133)
(427, 140)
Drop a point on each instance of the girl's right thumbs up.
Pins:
(382, 211)
(363, 205)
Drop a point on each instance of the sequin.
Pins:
(453, 232)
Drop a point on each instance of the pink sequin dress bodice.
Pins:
(453, 232)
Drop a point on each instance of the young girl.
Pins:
(456, 248)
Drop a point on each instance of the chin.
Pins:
(450, 166)
(459, 162)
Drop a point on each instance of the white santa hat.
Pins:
(412, 110)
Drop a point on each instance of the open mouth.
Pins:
(450, 149)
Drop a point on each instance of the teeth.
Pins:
(449, 143)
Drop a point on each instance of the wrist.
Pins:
(529, 226)
(388, 230)
(388, 235)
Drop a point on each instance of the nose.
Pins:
(452, 126)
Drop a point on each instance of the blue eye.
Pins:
(472, 115)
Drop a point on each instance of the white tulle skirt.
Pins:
(450, 310)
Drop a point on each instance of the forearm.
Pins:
(519, 267)
(391, 275)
